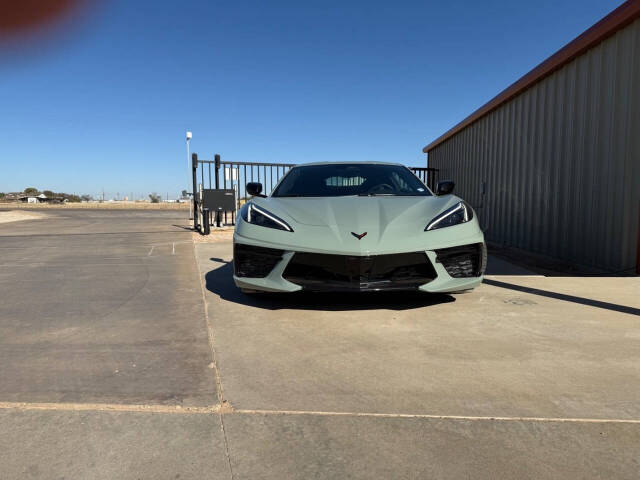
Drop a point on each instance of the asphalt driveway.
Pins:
(126, 352)
(102, 306)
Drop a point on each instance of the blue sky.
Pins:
(107, 101)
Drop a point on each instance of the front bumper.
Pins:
(276, 270)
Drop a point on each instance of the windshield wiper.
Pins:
(376, 194)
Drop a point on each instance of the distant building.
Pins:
(42, 198)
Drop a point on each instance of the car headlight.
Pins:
(459, 213)
(255, 215)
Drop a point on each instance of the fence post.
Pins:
(194, 172)
(206, 230)
(216, 159)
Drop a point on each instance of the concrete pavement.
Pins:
(126, 352)
(88, 445)
(104, 349)
(495, 351)
(526, 377)
(364, 447)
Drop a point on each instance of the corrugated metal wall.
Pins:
(561, 161)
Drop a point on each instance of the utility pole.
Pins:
(189, 136)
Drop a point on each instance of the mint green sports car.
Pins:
(356, 227)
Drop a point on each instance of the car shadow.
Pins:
(220, 282)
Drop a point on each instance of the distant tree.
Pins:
(48, 193)
(2, 195)
(154, 197)
(86, 198)
(70, 198)
(30, 190)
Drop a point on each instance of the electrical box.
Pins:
(219, 200)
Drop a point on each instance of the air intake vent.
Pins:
(464, 261)
(254, 262)
(318, 272)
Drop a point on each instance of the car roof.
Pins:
(348, 163)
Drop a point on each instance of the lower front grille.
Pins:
(254, 262)
(402, 271)
(464, 261)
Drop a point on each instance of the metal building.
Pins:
(552, 164)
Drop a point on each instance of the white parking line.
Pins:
(167, 243)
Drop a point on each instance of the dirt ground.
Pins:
(95, 205)
(16, 216)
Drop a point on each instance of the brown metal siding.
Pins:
(616, 20)
(561, 160)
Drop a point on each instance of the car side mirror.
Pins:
(445, 187)
(254, 189)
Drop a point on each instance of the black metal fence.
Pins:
(428, 175)
(218, 174)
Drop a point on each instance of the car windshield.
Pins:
(346, 179)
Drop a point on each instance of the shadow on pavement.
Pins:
(220, 282)
(500, 266)
(513, 261)
(567, 298)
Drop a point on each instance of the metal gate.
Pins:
(217, 174)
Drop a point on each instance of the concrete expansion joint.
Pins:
(111, 407)
(477, 418)
(225, 408)
(214, 362)
(227, 452)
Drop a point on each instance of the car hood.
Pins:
(328, 222)
(359, 212)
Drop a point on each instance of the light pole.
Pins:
(189, 135)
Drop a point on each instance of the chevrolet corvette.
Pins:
(356, 227)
